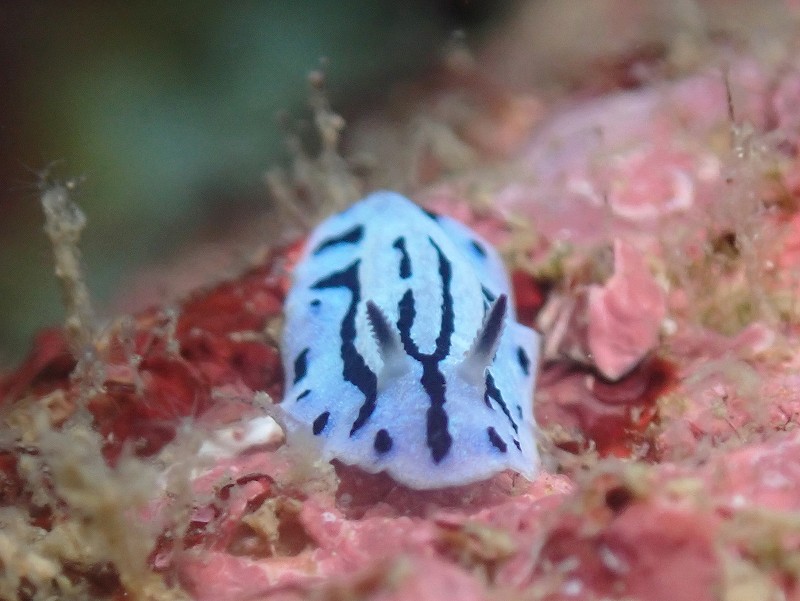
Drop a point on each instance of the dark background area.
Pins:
(169, 112)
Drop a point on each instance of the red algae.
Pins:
(584, 412)
(46, 368)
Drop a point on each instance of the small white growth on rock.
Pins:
(239, 438)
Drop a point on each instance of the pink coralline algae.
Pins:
(652, 239)
(625, 314)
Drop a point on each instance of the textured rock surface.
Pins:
(654, 241)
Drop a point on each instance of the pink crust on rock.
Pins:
(759, 476)
(416, 551)
(671, 466)
(625, 314)
(648, 551)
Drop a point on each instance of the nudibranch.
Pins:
(402, 352)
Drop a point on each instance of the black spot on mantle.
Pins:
(496, 441)
(351, 236)
(320, 422)
(478, 248)
(383, 442)
(300, 366)
(405, 261)
(524, 361)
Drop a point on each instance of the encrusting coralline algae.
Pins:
(657, 255)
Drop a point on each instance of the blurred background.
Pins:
(168, 110)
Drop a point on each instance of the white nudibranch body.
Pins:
(402, 352)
